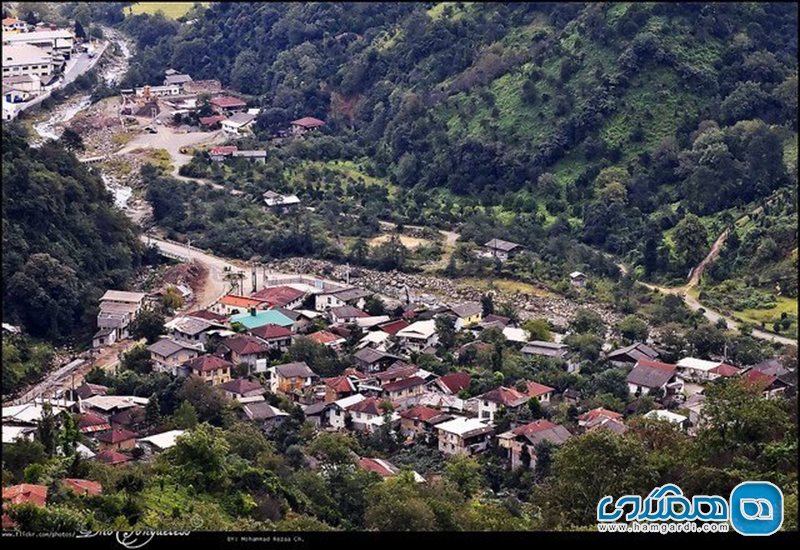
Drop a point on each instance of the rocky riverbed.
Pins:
(426, 288)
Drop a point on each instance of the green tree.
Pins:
(446, 331)
(538, 329)
(691, 241)
(633, 329)
(149, 324)
(199, 458)
(465, 473)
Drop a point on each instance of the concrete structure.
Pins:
(26, 60)
(463, 436)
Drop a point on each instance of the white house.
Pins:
(26, 60)
(463, 436)
(238, 123)
(419, 335)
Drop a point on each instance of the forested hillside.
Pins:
(608, 122)
(64, 243)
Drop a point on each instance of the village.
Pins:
(390, 377)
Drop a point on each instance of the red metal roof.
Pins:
(223, 149)
(279, 295)
(270, 332)
(227, 101)
(210, 120)
(308, 122)
(420, 412)
(456, 381)
(323, 337)
(594, 413)
(83, 486)
(242, 344)
(115, 436)
(723, 369)
(393, 327)
(340, 384)
(111, 457)
(208, 363)
(534, 389)
(25, 492)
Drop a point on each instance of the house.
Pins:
(246, 349)
(278, 202)
(776, 368)
(148, 91)
(393, 327)
(168, 354)
(370, 360)
(418, 335)
(22, 494)
(521, 441)
(258, 318)
(577, 279)
(214, 370)
(700, 370)
(54, 42)
(130, 418)
(92, 423)
(116, 439)
(516, 335)
(453, 383)
(265, 414)
(281, 296)
(291, 378)
(276, 337)
(491, 402)
(494, 321)
(396, 371)
(86, 390)
(117, 310)
(343, 297)
(104, 337)
(345, 314)
(112, 404)
(238, 123)
(367, 415)
(208, 123)
(629, 355)
(768, 384)
(669, 416)
(327, 338)
(177, 79)
(242, 388)
(402, 389)
(377, 340)
(191, 329)
(539, 391)
(463, 435)
(82, 486)
(384, 468)
(26, 415)
(111, 458)
(545, 349)
(595, 416)
(335, 414)
(232, 304)
(501, 250)
(12, 24)
(306, 124)
(26, 60)
(338, 387)
(162, 441)
(467, 314)
(420, 420)
(13, 434)
(371, 321)
(226, 104)
(208, 315)
(648, 376)
(259, 156)
(220, 152)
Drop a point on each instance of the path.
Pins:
(694, 279)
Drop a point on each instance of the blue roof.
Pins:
(261, 318)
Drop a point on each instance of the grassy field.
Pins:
(770, 316)
(173, 10)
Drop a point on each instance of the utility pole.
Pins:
(254, 275)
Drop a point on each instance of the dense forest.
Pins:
(624, 127)
(64, 243)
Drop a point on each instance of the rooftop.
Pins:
(500, 244)
(308, 122)
(297, 369)
(208, 363)
(227, 102)
(508, 397)
(464, 427)
(123, 296)
(163, 440)
(261, 318)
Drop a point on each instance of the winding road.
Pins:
(695, 305)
